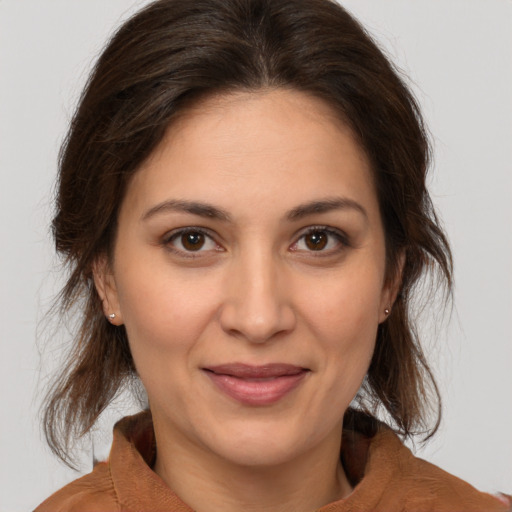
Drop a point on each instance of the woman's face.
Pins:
(249, 271)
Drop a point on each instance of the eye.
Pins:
(320, 239)
(190, 240)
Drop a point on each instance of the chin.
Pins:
(255, 446)
(258, 453)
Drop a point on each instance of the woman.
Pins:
(242, 204)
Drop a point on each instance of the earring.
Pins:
(112, 316)
(386, 311)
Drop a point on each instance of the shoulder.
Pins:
(420, 485)
(94, 492)
(386, 475)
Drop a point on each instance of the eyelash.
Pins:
(339, 235)
(176, 234)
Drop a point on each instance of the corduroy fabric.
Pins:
(386, 475)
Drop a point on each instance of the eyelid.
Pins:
(187, 229)
(175, 233)
(337, 233)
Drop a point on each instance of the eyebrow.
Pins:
(212, 212)
(324, 206)
(192, 207)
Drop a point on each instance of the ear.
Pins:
(107, 290)
(391, 289)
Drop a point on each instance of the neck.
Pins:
(208, 483)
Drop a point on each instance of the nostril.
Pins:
(257, 324)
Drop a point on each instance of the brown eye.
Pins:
(322, 241)
(316, 240)
(192, 241)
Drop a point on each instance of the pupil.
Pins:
(316, 241)
(192, 241)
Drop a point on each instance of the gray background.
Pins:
(458, 54)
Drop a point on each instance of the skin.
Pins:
(256, 292)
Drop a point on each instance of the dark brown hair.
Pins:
(166, 57)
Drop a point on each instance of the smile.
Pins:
(256, 385)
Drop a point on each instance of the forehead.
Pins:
(256, 147)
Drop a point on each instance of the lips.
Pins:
(256, 385)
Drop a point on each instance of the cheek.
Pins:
(163, 311)
(343, 316)
(345, 304)
(164, 318)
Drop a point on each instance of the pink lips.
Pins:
(256, 385)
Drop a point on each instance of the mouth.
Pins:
(256, 385)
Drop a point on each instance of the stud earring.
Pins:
(386, 311)
(112, 316)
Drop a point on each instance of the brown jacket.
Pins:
(386, 476)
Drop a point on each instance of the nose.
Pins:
(257, 305)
